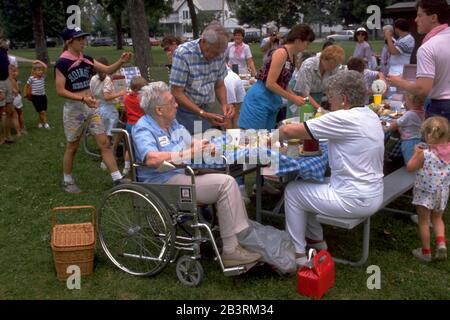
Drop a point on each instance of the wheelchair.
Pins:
(141, 228)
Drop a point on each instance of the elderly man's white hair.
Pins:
(388, 27)
(151, 96)
(215, 34)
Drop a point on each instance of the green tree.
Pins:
(321, 12)
(115, 8)
(258, 12)
(355, 11)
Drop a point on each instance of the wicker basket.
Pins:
(73, 244)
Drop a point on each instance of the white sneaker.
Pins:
(441, 252)
(419, 255)
(103, 166)
(46, 126)
(244, 195)
(40, 126)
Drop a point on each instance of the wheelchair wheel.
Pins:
(135, 230)
(90, 145)
(189, 271)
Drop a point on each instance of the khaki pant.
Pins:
(224, 191)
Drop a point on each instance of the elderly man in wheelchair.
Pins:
(158, 139)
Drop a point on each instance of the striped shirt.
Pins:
(37, 85)
(198, 76)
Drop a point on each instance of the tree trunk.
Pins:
(119, 34)
(194, 20)
(139, 34)
(38, 31)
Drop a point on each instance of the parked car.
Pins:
(341, 36)
(102, 41)
(155, 42)
(252, 37)
(128, 41)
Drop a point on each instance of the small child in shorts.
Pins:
(38, 97)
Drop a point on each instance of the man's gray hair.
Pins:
(151, 96)
(216, 35)
(388, 27)
(351, 84)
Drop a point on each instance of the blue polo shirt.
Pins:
(148, 136)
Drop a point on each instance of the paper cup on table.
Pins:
(377, 99)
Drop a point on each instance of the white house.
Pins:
(178, 21)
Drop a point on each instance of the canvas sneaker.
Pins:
(47, 126)
(419, 255)
(71, 187)
(239, 257)
(441, 252)
(40, 125)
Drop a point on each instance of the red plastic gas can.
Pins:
(315, 282)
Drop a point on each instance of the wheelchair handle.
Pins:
(191, 173)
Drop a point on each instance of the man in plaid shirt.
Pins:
(197, 77)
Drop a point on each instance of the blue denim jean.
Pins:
(407, 147)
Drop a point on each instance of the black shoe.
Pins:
(121, 181)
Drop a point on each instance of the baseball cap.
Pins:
(361, 29)
(76, 32)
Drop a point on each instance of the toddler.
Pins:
(431, 188)
(36, 92)
(409, 124)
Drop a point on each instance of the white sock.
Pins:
(127, 164)
(68, 178)
(116, 175)
(230, 243)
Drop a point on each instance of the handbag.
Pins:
(316, 280)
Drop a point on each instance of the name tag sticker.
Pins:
(287, 65)
(164, 141)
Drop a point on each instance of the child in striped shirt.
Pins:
(38, 97)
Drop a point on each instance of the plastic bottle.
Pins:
(307, 111)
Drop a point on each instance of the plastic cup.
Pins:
(377, 99)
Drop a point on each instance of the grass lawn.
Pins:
(30, 178)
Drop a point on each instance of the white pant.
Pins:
(224, 191)
(303, 200)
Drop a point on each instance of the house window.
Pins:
(185, 15)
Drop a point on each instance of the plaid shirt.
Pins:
(195, 74)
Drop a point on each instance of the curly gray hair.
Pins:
(351, 84)
(151, 96)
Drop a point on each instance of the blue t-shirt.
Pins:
(78, 78)
(148, 136)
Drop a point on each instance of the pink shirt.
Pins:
(240, 57)
(433, 61)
